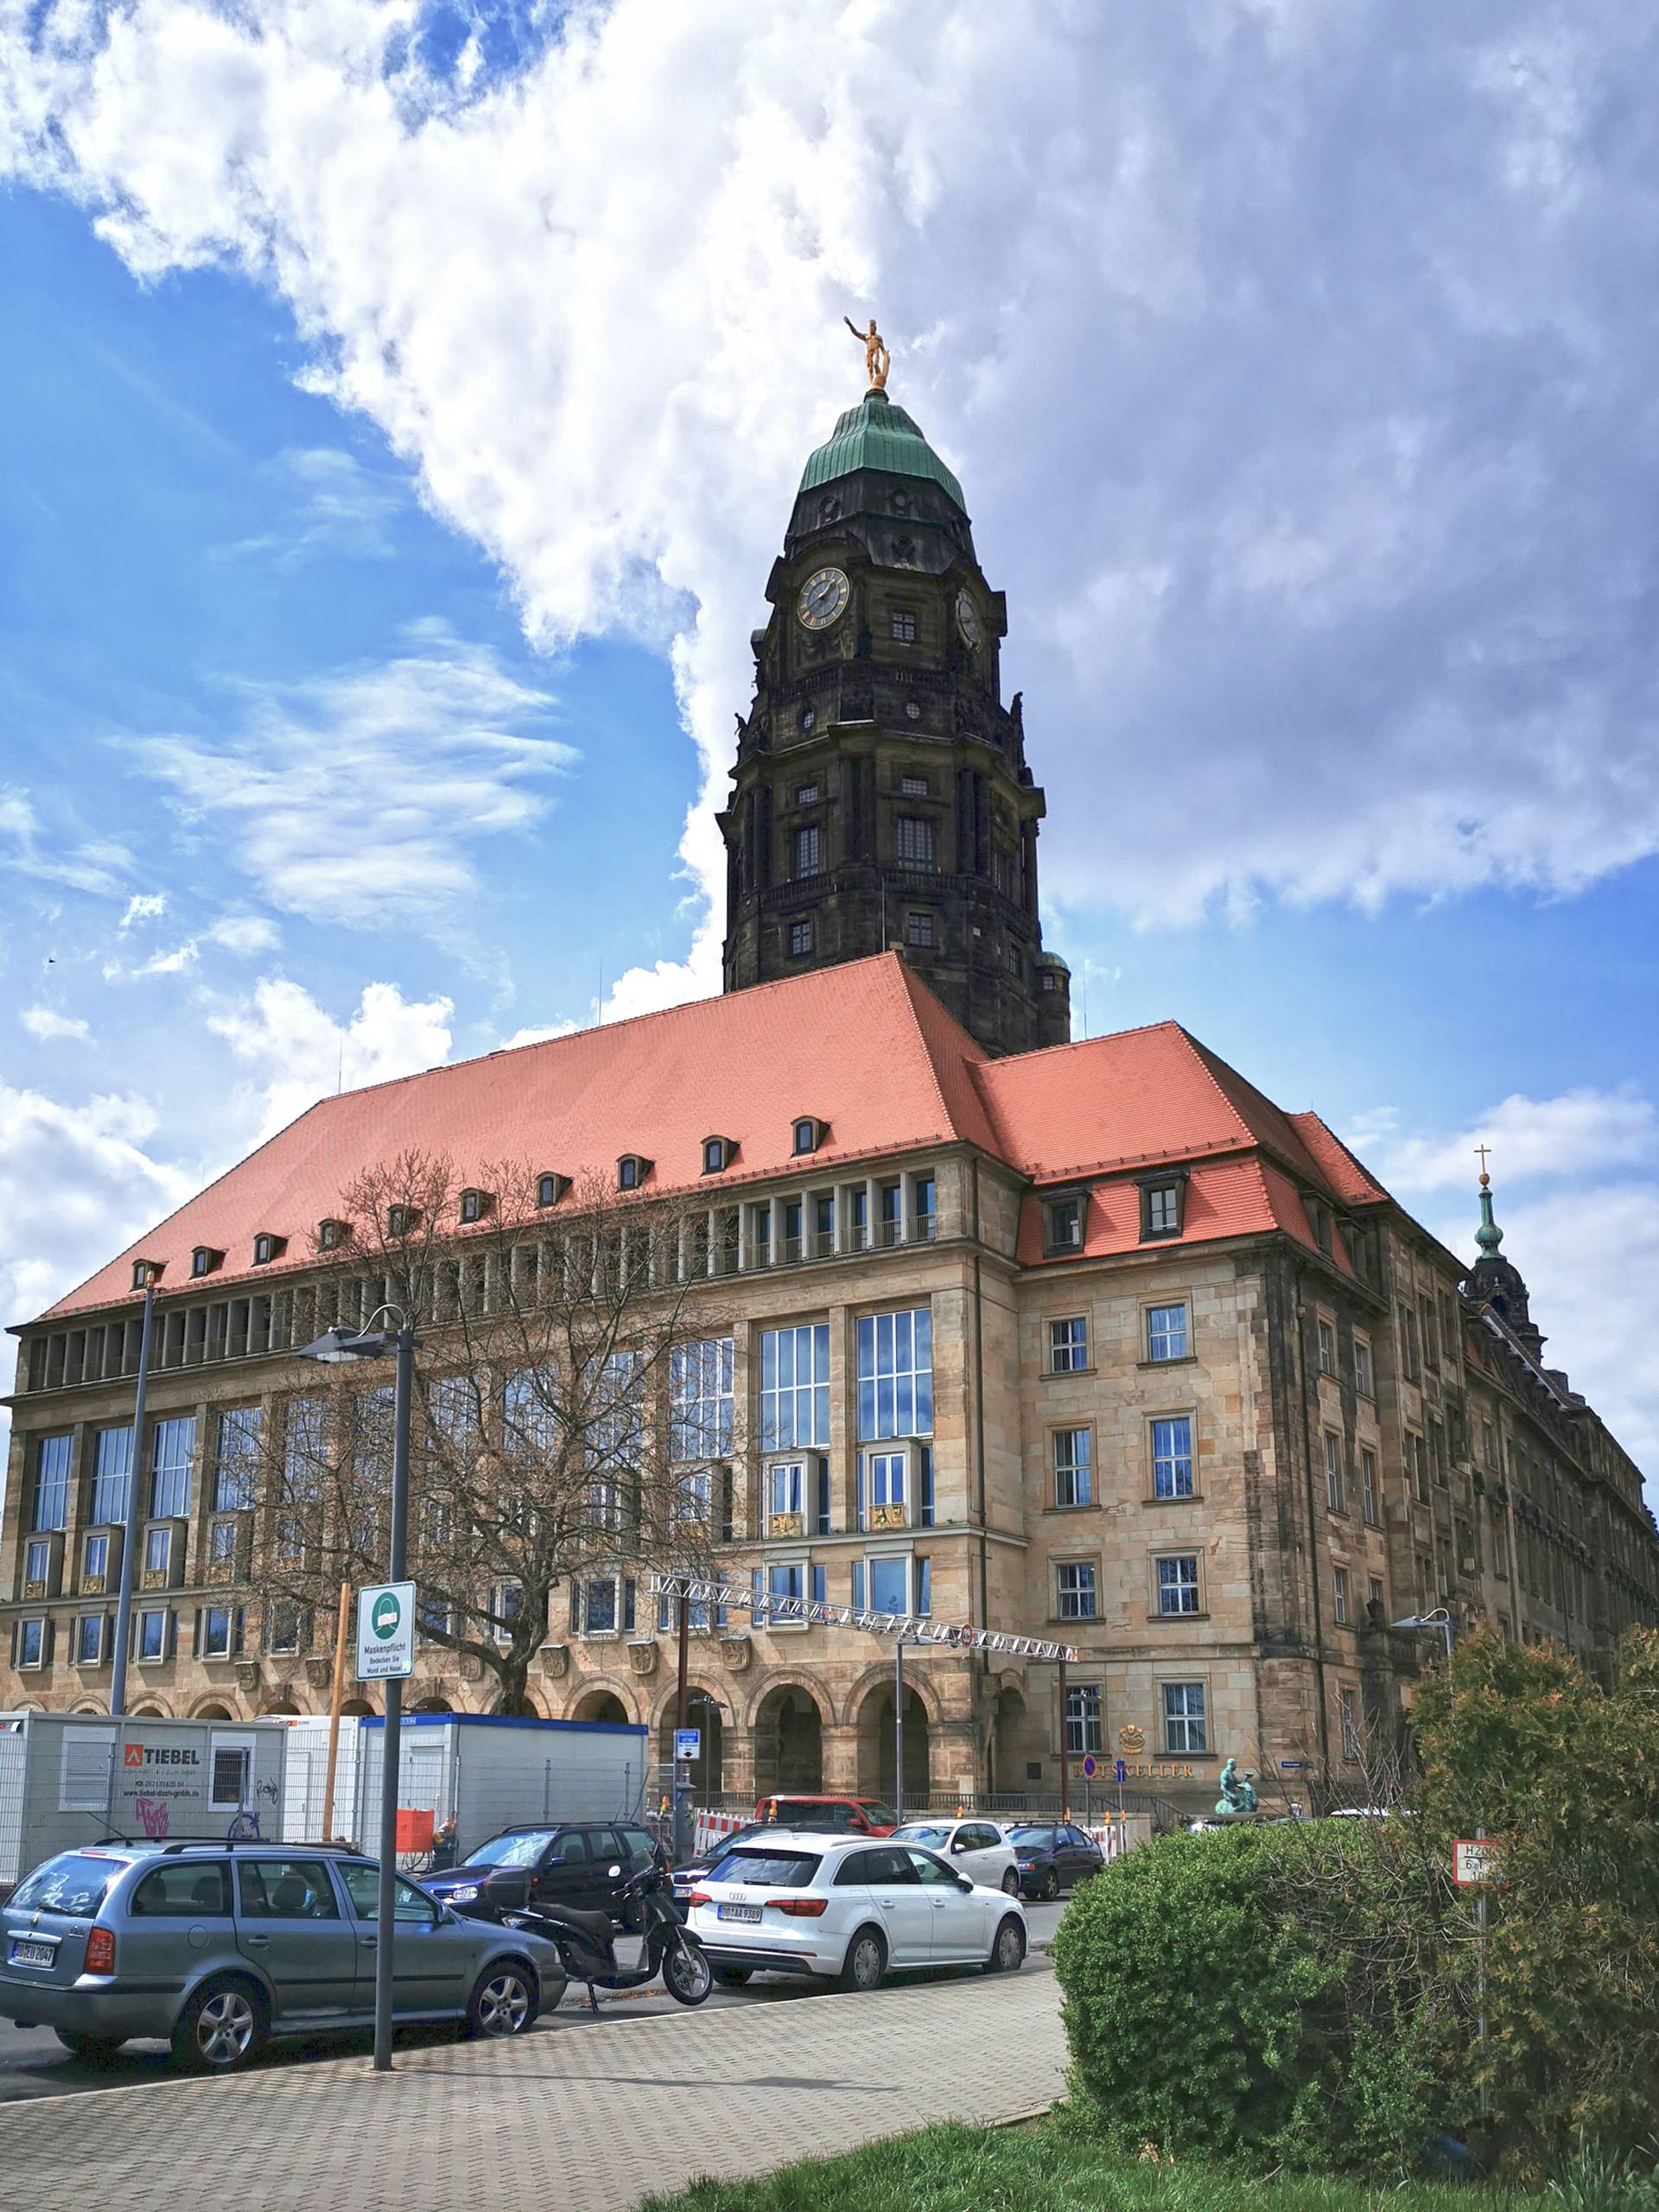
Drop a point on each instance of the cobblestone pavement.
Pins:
(565, 2121)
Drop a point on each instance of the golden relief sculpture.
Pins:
(877, 360)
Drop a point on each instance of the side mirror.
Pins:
(613, 1872)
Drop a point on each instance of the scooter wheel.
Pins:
(687, 1975)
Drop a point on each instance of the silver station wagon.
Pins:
(216, 1949)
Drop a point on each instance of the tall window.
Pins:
(1166, 1332)
(1073, 1472)
(1068, 1347)
(1186, 1728)
(169, 1467)
(913, 840)
(700, 1399)
(1172, 1458)
(111, 1471)
(895, 1374)
(236, 1460)
(809, 849)
(795, 1387)
(51, 1482)
(1178, 1584)
(1076, 1582)
(1083, 1729)
(1367, 1482)
(1334, 1496)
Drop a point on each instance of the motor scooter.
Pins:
(587, 1946)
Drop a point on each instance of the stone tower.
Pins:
(881, 795)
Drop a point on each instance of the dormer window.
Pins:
(205, 1259)
(1163, 1204)
(1063, 1223)
(475, 1205)
(401, 1220)
(718, 1154)
(333, 1235)
(630, 1171)
(810, 1133)
(267, 1248)
(145, 1272)
(551, 1188)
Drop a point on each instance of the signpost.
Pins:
(385, 1632)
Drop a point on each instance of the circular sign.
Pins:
(1089, 1767)
(387, 1616)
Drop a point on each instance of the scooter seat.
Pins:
(596, 1925)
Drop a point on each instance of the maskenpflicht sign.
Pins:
(385, 1631)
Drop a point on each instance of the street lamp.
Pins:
(1439, 1618)
(338, 1348)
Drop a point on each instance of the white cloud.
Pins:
(1295, 361)
(244, 933)
(356, 798)
(46, 1023)
(296, 1052)
(143, 906)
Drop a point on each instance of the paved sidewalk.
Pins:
(567, 2121)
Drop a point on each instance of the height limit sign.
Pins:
(385, 1631)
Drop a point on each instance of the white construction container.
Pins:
(67, 1778)
(484, 1770)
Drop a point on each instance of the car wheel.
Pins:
(866, 1960)
(1008, 1951)
(732, 1977)
(1011, 1882)
(504, 2002)
(220, 2029)
(96, 2048)
(1051, 1888)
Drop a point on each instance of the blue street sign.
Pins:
(1089, 1767)
(688, 1742)
(1122, 1771)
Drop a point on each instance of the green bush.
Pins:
(1307, 1997)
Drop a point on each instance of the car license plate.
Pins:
(750, 1912)
(26, 1954)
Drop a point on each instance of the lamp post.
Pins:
(1439, 1618)
(135, 1516)
(336, 1348)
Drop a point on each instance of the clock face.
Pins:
(968, 619)
(823, 598)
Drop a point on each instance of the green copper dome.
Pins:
(877, 434)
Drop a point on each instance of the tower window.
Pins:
(809, 849)
(903, 623)
(918, 929)
(800, 939)
(914, 839)
(914, 786)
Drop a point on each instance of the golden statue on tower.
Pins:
(877, 360)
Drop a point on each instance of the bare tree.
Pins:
(572, 1416)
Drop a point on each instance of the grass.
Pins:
(1044, 2168)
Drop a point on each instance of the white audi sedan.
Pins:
(977, 1848)
(848, 1910)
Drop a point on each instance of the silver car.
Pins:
(217, 1949)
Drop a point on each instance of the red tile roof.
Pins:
(865, 1047)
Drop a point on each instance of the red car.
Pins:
(844, 1815)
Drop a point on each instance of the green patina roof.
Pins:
(877, 434)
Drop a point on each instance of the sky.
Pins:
(401, 406)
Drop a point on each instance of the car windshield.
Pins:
(523, 1849)
(758, 1869)
(73, 1884)
(919, 1832)
(1031, 1838)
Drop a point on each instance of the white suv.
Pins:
(846, 1909)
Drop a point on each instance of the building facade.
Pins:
(1089, 1342)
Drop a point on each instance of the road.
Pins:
(33, 2064)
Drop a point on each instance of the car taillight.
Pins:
(101, 1951)
(802, 1908)
(699, 1897)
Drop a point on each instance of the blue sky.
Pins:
(401, 408)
